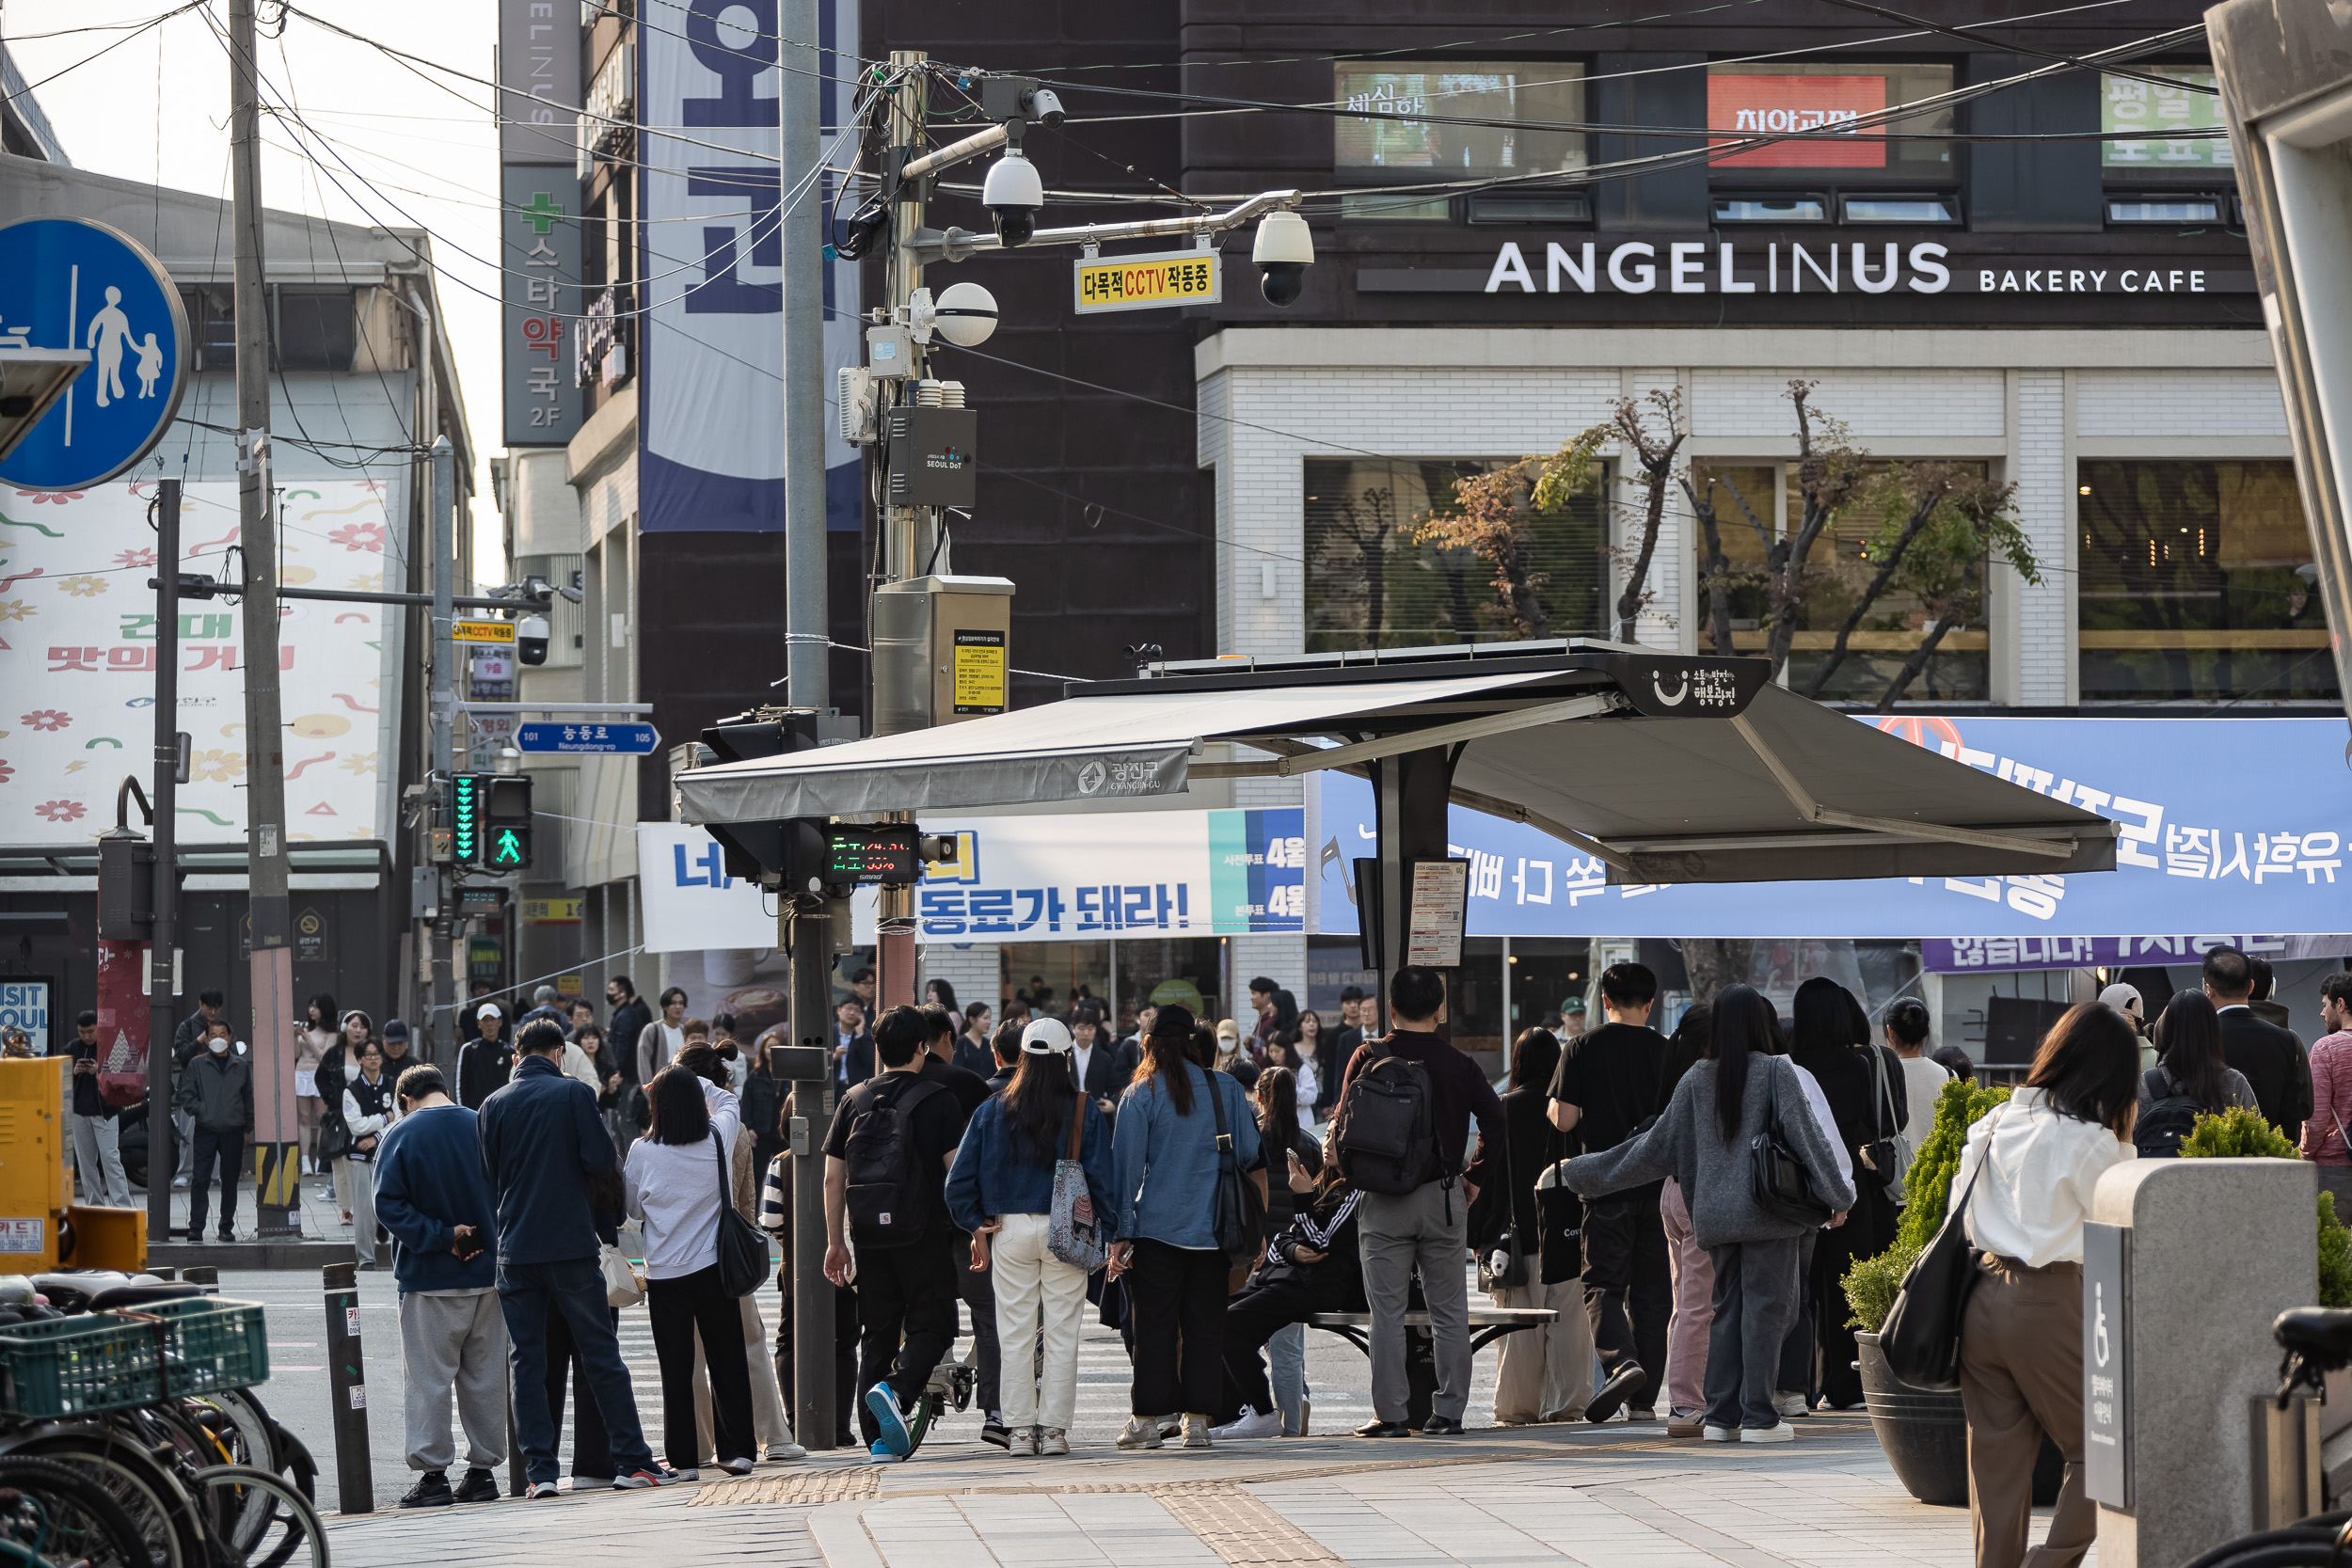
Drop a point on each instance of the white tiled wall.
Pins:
(1876, 405)
(2044, 486)
(2157, 401)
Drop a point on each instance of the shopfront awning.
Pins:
(1668, 768)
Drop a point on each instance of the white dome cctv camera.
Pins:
(1285, 248)
(530, 639)
(965, 314)
(1012, 195)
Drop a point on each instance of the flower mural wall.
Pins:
(77, 662)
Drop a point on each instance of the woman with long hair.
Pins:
(322, 1027)
(671, 1181)
(1703, 1139)
(1544, 1373)
(1830, 1041)
(1687, 1264)
(1291, 1052)
(2189, 1063)
(337, 1065)
(1291, 1148)
(1307, 1046)
(972, 1051)
(1001, 1192)
(941, 994)
(1165, 1156)
(2021, 1340)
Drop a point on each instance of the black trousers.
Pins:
(1176, 1300)
(844, 1356)
(592, 1450)
(978, 1291)
(1629, 1286)
(906, 1318)
(680, 1307)
(229, 1150)
(1251, 1319)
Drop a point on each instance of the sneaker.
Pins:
(636, 1481)
(1196, 1430)
(1791, 1404)
(995, 1432)
(1683, 1423)
(1170, 1425)
(180, 1184)
(1052, 1440)
(786, 1451)
(883, 1405)
(431, 1491)
(1719, 1435)
(1022, 1444)
(1143, 1432)
(1646, 1413)
(737, 1466)
(1251, 1423)
(540, 1489)
(675, 1476)
(1779, 1432)
(882, 1454)
(480, 1486)
(1610, 1397)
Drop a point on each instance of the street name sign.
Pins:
(625, 739)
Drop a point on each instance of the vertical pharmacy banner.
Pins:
(78, 647)
(711, 393)
(1084, 877)
(539, 282)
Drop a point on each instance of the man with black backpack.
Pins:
(1405, 1110)
(887, 1160)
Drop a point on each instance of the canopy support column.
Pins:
(1411, 791)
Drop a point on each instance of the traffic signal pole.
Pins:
(442, 1042)
(163, 958)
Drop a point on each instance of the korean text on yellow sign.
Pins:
(1142, 282)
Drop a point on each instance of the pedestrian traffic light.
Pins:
(506, 822)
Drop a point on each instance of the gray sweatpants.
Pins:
(98, 1156)
(453, 1341)
(1398, 1235)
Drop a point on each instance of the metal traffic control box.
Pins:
(942, 651)
(35, 1189)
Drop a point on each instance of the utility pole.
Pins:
(267, 911)
(164, 960)
(442, 1048)
(804, 616)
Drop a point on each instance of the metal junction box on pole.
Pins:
(942, 651)
(932, 456)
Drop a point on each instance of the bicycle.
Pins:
(52, 1516)
(2316, 1340)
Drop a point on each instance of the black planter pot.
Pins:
(1926, 1437)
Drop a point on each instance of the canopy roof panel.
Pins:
(1668, 768)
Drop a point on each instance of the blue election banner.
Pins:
(2227, 825)
(68, 283)
(626, 739)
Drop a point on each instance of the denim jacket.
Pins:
(989, 1179)
(1167, 1165)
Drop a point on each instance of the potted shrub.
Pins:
(2238, 1134)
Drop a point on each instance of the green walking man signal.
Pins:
(490, 820)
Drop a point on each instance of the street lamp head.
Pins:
(1012, 195)
(507, 761)
(1284, 249)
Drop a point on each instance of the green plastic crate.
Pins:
(82, 1365)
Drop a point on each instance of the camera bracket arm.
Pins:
(957, 244)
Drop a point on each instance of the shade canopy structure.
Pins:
(1666, 767)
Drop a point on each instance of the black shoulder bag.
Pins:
(1783, 1190)
(742, 1250)
(1920, 1338)
(1238, 1213)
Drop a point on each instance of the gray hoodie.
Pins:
(1717, 1178)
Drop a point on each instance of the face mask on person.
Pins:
(219, 1047)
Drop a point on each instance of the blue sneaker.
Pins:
(880, 1453)
(894, 1436)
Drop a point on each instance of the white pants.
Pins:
(98, 1156)
(1032, 1287)
(1545, 1374)
(770, 1426)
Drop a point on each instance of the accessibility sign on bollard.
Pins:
(71, 284)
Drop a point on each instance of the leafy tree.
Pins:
(1363, 523)
(1652, 452)
(1493, 517)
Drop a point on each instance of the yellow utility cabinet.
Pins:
(40, 1226)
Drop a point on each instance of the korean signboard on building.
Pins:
(539, 285)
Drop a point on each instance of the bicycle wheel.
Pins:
(269, 1445)
(57, 1514)
(161, 1512)
(257, 1520)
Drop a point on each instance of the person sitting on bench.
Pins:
(1313, 1266)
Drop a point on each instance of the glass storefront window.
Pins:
(1389, 147)
(1747, 99)
(2196, 581)
(1052, 976)
(1370, 586)
(1545, 972)
(2149, 121)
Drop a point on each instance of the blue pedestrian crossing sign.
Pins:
(69, 283)
(605, 740)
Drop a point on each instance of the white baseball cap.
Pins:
(2124, 999)
(1046, 1037)
(488, 1010)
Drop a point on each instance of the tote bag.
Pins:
(742, 1250)
(1782, 1188)
(1920, 1338)
(1238, 1212)
(1073, 1232)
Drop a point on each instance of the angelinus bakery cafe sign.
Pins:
(1779, 266)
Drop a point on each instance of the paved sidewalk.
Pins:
(1566, 1497)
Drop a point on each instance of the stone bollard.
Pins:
(2184, 1266)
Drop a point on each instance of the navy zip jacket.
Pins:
(541, 1138)
(429, 1182)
